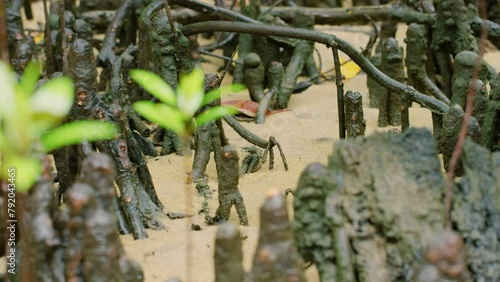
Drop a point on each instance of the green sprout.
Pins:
(176, 111)
(29, 122)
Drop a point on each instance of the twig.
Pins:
(203, 52)
(49, 53)
(340, 90)
(272, 7)
(465, 122)
(261, 29)
(226, 69)
(432, 88)
(3, 33)
(263, 107)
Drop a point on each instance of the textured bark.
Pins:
(452, 122)
(276, 258)
(476, 211)
(392, 105)
(375, 90)
(228, 193)
(21, 47)
(159, 54)
(253, 76)
(491, 127)
(228, 257)
(206, 140)
(310, 222)
(39, 238)
(94, 251)
(355, 122)
(465, 63)
(364, 227)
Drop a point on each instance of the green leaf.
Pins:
(16, 127)
(30, 78)
(27, 171)
(5, 146)
(41, 122)
(221, 91)
(154, 85)
(75, 132)
(190, 93)
(163, 115)
(7, 92)
(214, 114)
(55, 97)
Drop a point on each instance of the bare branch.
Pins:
(429, 102)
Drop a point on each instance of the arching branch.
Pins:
(431, 103)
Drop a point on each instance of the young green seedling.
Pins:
(29, 122)
(179, 113)
(176, 111)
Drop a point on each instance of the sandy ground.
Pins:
(306, 132)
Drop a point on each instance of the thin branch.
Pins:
(230, 60)
(429, 102)
(367, 52)
(226, 69)
(340, 91)
(270, 8)
(465, 122)
(4, 50)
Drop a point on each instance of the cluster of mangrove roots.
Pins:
(275, 258)
(77, 242)
(375, 212)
